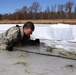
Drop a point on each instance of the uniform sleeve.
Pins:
(10, 36)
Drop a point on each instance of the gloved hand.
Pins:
(10, 48)
(31, 42)
(37, 41)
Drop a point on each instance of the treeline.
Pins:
(60, 11)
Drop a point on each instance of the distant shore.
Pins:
(55, 21)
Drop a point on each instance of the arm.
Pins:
(9, 38)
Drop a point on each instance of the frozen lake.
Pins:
(24, 63)
(49, 31)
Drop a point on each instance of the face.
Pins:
(27, 31)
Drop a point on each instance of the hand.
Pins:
(10, 48)
(37, 41)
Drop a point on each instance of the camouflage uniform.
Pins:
(11, 37)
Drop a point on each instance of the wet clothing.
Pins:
(12, 37)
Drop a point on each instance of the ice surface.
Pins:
(61, 32)
(22, 63)
(4, 27)
(42, 32)
(49, 31)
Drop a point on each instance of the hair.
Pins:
(29, 25)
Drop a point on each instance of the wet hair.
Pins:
(29, 25)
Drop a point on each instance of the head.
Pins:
(28, 28)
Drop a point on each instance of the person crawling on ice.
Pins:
(17, 35)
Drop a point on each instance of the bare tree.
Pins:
(61, 10)
(5, 16)
(75, 8)
(64, 11)
(36, 7)
(69, 6)
(30, 9)
(74, 13)
(53, 8)
(53, 11)
(47, 10)
(24, 9)
(0, 16)
(61, 7)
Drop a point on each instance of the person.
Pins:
(16, 35)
